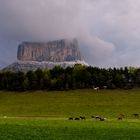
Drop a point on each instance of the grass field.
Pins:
(38, 129)
(43, 115)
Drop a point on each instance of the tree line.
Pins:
(77, 77)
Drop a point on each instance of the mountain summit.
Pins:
(54, 51)
(34, 55)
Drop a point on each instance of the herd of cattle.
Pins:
(120, 117)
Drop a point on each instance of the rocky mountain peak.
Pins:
(47, 55)
(53, 51)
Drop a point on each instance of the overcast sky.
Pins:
(108, 30)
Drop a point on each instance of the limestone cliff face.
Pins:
(55, 51)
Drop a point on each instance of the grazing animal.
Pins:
(82, 118)
(136, 115)
(97, 117)
(105, 87)
(70, 118)
(102, 119)
(77, 119)
(120, 118)
(92, 116)
(96, 88)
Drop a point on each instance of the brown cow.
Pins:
(136, 115)
(82, 118)
(70, 118)
(77, 119)
(120, 118)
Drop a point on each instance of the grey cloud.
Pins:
(108, 30)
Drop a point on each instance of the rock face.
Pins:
(55, 51)
(32, 56)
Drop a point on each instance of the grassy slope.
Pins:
(108, 103)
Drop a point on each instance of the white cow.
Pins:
(96, 88)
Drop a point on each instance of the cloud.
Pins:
(118, 22)
(108, 31)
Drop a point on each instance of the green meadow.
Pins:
(44, 115)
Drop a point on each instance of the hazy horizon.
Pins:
(108, 31)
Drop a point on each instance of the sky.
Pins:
(108, 31)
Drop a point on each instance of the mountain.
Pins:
(54, 51)
(34, 55)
